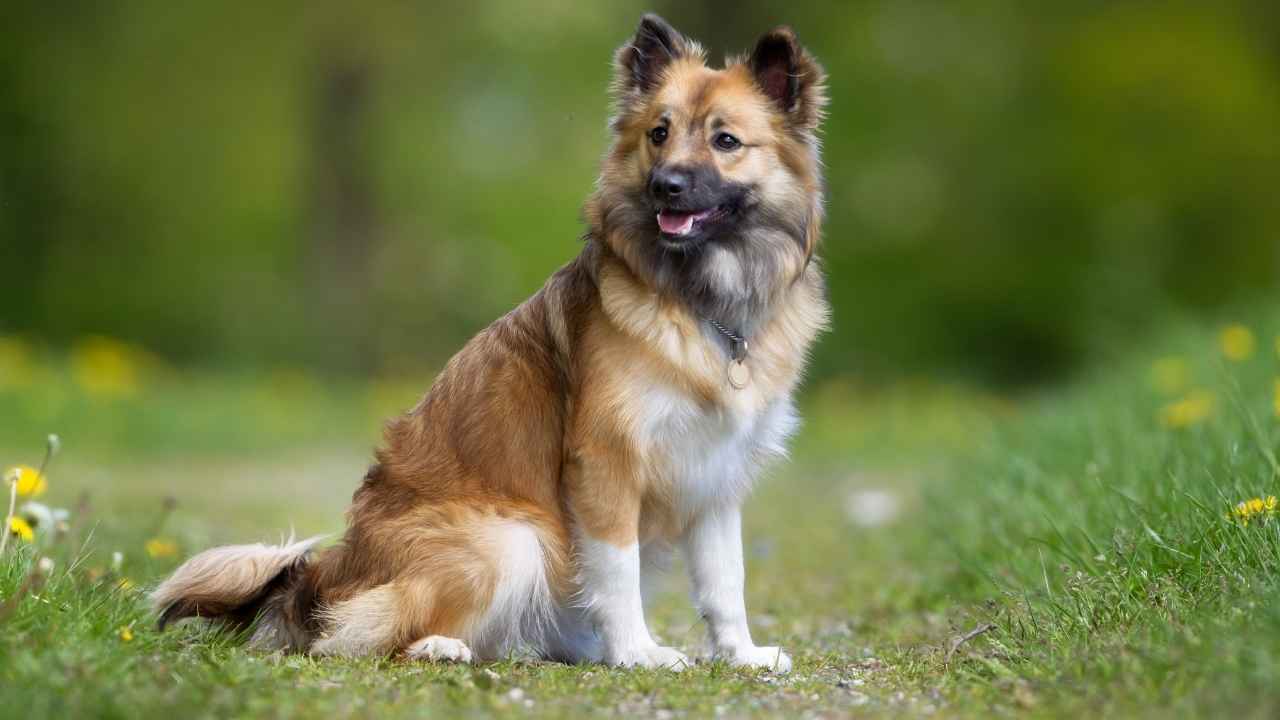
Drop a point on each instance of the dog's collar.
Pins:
(737, 344)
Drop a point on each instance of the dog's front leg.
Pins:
(713, 551)
(607, 514)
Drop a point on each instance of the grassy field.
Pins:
(928, 550)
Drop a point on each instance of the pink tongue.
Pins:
(673, 223)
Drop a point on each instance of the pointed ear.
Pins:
(639, 63)
(789, 76)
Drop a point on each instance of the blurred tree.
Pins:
(343, 212)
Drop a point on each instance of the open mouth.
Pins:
(682, 224)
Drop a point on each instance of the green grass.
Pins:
(1093, 538)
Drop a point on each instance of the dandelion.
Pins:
(43, 516)
(30, 481)
(1254, 508)
(1170, 375)
(126, 634)
(21, 528)
(1192, 409)
(45, 565)
(1237, 342)
(161, 548)
(106, 367)
(26, 480)
(117, 561)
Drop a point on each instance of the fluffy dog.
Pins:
(622, 411)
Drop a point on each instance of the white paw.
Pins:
(438, 648)
(654, 656)
(769, 658)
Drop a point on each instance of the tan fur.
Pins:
(543, 426)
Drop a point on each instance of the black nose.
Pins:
(669, 183)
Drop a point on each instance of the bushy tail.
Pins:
(237, 584)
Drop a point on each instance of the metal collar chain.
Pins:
(737, 343)
(738, 374)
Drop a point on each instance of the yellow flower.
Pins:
(124, 584)
(126, 633)
(1247, 510)
(19, 527)
(161, 548)
(106, 367)
(31, 482)
(1237, 342)
(1170, 375)
(1194, 408)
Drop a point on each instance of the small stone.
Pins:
(873, 507)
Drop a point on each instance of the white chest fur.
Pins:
(710, 455)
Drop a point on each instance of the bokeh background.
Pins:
(235, 237)
(352, 190)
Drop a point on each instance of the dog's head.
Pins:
(712, 190)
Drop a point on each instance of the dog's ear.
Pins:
(789, 76)
(640, 63)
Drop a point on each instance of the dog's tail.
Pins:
(237, 584)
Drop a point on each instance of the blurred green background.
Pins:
(234, 237)
(1016, 189)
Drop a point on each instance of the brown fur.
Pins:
(540, 419)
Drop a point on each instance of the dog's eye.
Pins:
(726, 142)
(658, 135)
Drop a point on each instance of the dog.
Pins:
(621, 412)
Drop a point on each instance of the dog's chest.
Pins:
(701, 455)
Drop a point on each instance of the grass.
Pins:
(1094, 541)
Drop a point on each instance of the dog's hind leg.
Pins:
(479, 591)
(402, 615)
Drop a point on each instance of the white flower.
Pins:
(37, 514)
